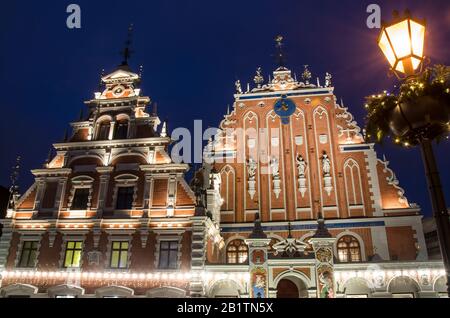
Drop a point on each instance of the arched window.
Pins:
(103, 130)
(121, 129)
(237, 252)
(348, 249)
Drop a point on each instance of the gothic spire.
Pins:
(155, 109)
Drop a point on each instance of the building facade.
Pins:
(290, 202)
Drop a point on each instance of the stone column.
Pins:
(59, 197)
(198, 251)
(258, 245)
(39, 193)
(322, 242)
(147, 188)
(111, 130)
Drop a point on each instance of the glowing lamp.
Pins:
(402, 43)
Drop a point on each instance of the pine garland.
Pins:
(433, 82)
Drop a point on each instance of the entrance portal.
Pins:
(287, 289)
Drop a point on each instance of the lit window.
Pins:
(168, 255)
(237, 252)
(80, 199)
(65, 296)
(348, 249)
(125, 198)
(119, 254)
(72, 257)
(28, 255)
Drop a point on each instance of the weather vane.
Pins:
(127, 50)
(279, 46)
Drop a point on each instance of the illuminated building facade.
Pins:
(290, 202)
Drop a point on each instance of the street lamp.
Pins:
(402, 42)
(418, 116)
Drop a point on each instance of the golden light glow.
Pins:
(402, 43)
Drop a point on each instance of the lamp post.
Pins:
(422, 119)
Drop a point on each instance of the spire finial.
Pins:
(279, 57)
(306, 75)
(322, 231)
(14, 188)
(258, 232)
(155, 109)
(126, 53)
(164, 129)
(100, 82)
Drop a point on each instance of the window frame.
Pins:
(124, 132)
(120, 254)
(74, 200)
(170, 251)
(129, 195)
(73, 250)
(100, 130)
(22, 250)
(81, 182)
(344, 248)
(237, 253)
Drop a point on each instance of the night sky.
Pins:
(192, 53)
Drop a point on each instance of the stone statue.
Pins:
(301, 165)
(238, 87)
(326, 165)
(274, 166)
(251, 169)
(327, 79)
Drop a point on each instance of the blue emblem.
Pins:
(284, 108)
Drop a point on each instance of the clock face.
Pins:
(284, 107)
(118, 91)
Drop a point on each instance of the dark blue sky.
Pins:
(192, 52)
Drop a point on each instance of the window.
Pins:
(119, 254)
(237, 252)
(348, 249)
(168, 255)
(125, 198)
(65, 296)
(72, 257)
(103, 131)
(121, 130)
(28, 255)
(80, 199)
